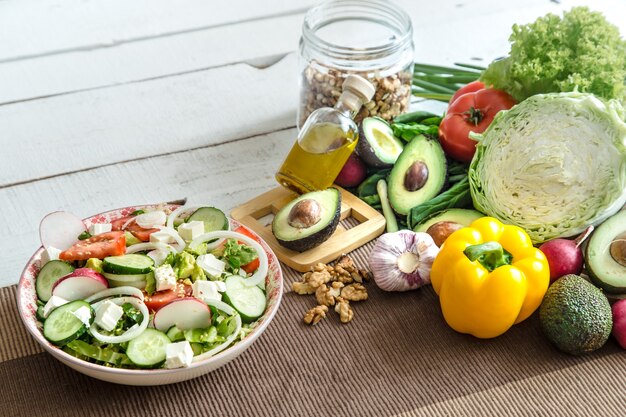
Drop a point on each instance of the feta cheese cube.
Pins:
(190, 231)
(83, 314)
(108, 314)
(221, 285)
(161, 237)
(50, 254)
(178, 355)
(206, 290)
(99, 228)
(54, 302)
(165, 277)
(158, 255)
(211, 265)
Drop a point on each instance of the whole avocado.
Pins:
(575, 315)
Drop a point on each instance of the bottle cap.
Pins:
(360, 86)
(356, 91)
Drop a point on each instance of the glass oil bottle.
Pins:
(326, 140)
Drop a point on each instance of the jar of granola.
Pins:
(370, 38)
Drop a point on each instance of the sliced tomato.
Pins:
(252, 266)
(99, 246)
(137, 231)
(157, 300)
(118, 223)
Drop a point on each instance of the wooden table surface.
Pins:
(105, 104)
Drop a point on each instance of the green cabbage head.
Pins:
(553, 164)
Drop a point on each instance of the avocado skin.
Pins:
(315, 239)
(575, 315)
(364, 148)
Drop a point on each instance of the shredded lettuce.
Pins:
(580, 52)
(552, 165)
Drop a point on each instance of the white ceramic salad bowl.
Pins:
(27, 298)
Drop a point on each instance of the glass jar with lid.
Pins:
(370, 38)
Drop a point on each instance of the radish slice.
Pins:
(140, 247)
(79, 285)
(129, 334)
(60, 230)
(132, 291)
(174, 234)
(217, 349)
(185, 313)
(174, 215)
(261, 272)
(151, 219)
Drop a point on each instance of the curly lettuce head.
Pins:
(553, 164)
(581, 51)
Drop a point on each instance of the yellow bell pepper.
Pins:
(488, 277)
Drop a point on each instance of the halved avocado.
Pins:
(308, 220)
(605, 255)
(377, 146)
(418, 175)
(444, 223)
(464, 217)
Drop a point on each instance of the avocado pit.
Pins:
(441, 230)
(416, 176)
(618, 249)
(304, 214)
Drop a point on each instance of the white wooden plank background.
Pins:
(106, 104)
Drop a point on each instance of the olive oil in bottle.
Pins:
(326, 140)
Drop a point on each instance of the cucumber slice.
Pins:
(130, 264)
(248, 300)
(214, 219)
(175, 334)
(148, 349)
(133, 280)
(50, 273)
(62, 326)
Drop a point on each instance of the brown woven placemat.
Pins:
(396, 358)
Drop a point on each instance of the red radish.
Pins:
(80, 284)
(60, 230)
(564, 255)
(619, 322)
(353, 172)
(184, 313)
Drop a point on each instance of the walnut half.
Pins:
(314, 315)
(326, 295)
(354, 292)
(302, 288)
(345, 311)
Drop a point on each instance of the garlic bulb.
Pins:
(402, 260)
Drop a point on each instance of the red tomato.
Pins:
(157, 300)
(468, 88)
(471, 112)
(252, 266)
(137, 231)
(99, 246)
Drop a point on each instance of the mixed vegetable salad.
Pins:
(155, 289)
